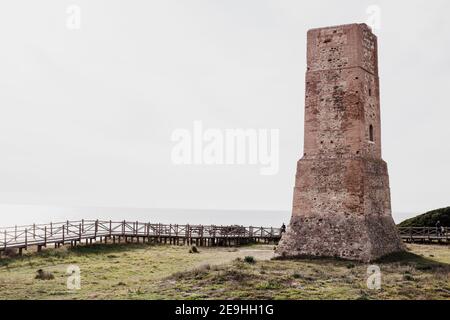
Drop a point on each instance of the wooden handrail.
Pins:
(61, 232)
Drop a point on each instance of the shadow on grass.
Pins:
(83, 250)
(4, 262)
(108, 248)
(405, 258)
(323, 259)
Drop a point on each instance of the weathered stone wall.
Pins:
(341, 201)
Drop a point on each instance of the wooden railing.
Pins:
(425, 233)
(76, 231)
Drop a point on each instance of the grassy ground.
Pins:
(138, 271)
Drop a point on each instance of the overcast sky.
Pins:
(87, 114)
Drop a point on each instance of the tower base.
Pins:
(341, 209)
(353, 238)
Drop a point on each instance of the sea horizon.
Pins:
(18, 214)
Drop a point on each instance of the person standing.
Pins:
(438, 228)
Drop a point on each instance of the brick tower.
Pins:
(341, 205)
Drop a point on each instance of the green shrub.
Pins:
(249, 259)
(408, 277)
(193, 250)
(44, 275)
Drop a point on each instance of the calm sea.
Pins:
(11, 215)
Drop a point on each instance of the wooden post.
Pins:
(34, 231)
(157, 232)
(15, 233)
(110, 228)
(80, 228)
(96, 229)
(82, 225)
(45, 236)
(187, 234)
(63, 227)
(201, 235)
(26, 238)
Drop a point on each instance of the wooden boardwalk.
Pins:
(425, 235)
(95, 231)
(89, 231)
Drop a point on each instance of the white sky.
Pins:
(87, 115)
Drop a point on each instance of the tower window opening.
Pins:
(371, 133)
(370, 92)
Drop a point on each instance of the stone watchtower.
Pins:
(342, 205)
